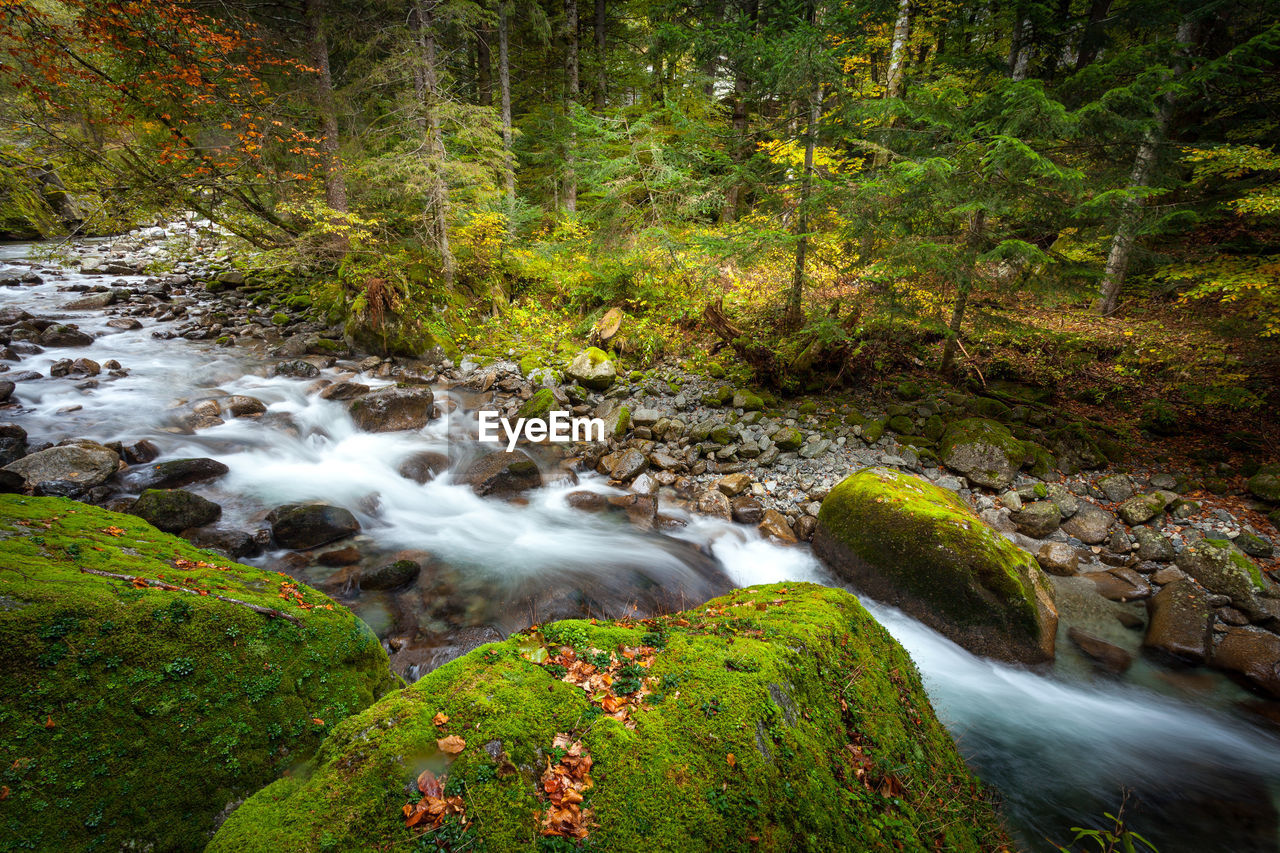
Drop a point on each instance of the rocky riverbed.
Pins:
(1152, 575)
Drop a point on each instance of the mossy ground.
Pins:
(131, 717)
(925, 541)
(778, 717)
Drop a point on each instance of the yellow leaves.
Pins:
(113, 531)
(440, 718)
(731, 760)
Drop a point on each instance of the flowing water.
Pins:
(1061, 748)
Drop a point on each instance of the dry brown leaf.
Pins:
(440, 718)
(429, 785)
(451, 744)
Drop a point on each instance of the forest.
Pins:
(929, 358)
(1046, 192)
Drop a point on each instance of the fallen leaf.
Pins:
(49, 723)
(440, 718)
(113, 531)
(317, 721)
(451, 744)
(732, 759)
(429, 785)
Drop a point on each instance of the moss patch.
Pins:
(920, 546)
(778, 717)
(132, 716)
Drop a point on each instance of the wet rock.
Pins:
(713, 503)
(393, 575)
(140, 452)
(1058, 558)
(1037, 519)
(92, 302)
(732, 485)
(503, 474)
(1117, 487)
(424, 467)
(1265, 483)
(592, 368)
(1120, 584)
(400, 407)
(127, 324)
(628, 464)
(1180, 617)
(747, 510)
(641, 510)
(1166, 575)
(231, 543)
(805, 527)
(13, 444)
(1142, 508)
(176, 473)
(920, 547)
(77, 369)
(586, 501)
(1221, 569)
(1110, 657)
(242, 406)
(60, 335)
(1090, 524)
(344, 391)
(775, 527)
(82, 466)
(303, 526)
(1253, 655)
(297, 368)
(174, 510)
(10, 482)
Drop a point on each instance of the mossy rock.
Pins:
(809, 407)
(872, 432)
(281, 319)
(782, 714)
(902, 424)
(1265, 483)
(917, 546)
(788, 439)
(396, 337)
(1076, 449)
(982, 450)
(988, 407)
(539, 406)
(747, 401)
(132, 716)
(529, 363)
(593, 368)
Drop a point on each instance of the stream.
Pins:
(1061, 747)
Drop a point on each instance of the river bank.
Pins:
(710, 487)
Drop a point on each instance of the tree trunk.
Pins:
(433, 144)
(484, 66)
(335, 184)
(1020, 55)
(571, 96)
(1130, 220)
(740, 146)
(795, 300)
(977, 225)
(897, 66)
(1091, 40)
(504, 81)
(602, 64)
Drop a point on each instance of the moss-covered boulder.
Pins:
(134, 710)
(982, 450)
(592, 368)
(539, 406)
(777, 717)
(1265, 483)
(917, 546)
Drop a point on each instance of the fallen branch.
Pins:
(270, 613)
(960, 344)
(762, 359)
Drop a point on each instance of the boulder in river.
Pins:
(220, 700)
(61, 335)
(592, 368)
(982, 450)
(1222, 569)
(82, 466)
(1179, 623)
(180, 472)
(400, 407)
(917, 546)
(391, 575)
(1090, 523)
(663, 766)
(175, 510)
(503, 474)
(13, 443)
(303, 526)
(1253, 655)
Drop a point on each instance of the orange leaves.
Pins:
(731, 760)
(187, 565)
(113, 531)
(452, 745)
(317, 721)
(50, 724)
(440, 718)
(564, 784)
(434, 807)
(618, 688)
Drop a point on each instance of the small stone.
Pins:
(1058, 558)
(1110, 657)
(733, 485)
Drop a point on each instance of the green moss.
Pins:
(922, 544)
(808, 407)
(775, 718)
(280, 319)
(872, 432)
(298, 300)
(132, 716)
(529, 363)
(538, 406)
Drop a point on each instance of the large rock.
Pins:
(1037, 519)
(180, 472)
(1220, 568)
(503, 474)
(144, 711)
(1090, 524)
(401, 407)
(173, 510)
(1265, 483)
(1142, 508)
(982, 450)
(13, 443)
(59, 335)
(1253, 655)
(592, 368)
(82, 466)
(912, 544)
(681, 736)
(1180, 616)
(303, 526)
